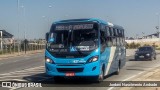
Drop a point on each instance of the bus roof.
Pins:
(88, 20)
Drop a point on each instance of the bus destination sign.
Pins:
(74, 27)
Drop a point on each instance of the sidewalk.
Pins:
(152, 75)
(20, 54)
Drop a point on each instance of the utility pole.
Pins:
(1, 35)
(18, 27)
(157, 27)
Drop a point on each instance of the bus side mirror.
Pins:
(47, 36)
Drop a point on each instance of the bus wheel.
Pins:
(155, 58)
(118, 70)
(101, 77)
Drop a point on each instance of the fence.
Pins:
(21, 48)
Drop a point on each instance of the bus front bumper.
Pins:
(90, 69)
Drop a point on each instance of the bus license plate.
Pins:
(70, 74)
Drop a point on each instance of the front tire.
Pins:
(151, 58)
(100, 78)
(155, 57)
(118, 70)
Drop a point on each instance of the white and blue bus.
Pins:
(84, 47)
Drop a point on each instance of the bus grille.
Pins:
(70, 69)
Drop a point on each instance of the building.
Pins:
(5, 38)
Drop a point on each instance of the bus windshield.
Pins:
(72, 41)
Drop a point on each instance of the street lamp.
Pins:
(24, 27)
(1, 35)
(157, 27)
(18, 26)
(48, 16)
(47, 19)
(24, 15)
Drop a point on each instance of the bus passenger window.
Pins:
(108, 41)
(107, 31)
(118, 41)
(114, 41)
(111, 31)
(114, 32)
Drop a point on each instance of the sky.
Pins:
(36, 16)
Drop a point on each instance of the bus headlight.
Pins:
(49, 60)
(92, 59)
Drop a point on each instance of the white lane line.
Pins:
(22, 70)
(135, 76)
(13, 80)
(22, 76)
(22, 59)
(124, 80)
(110, 88)
(24, 73)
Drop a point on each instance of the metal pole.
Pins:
(1, 40)
(18, 27)
(1, 35)
(158, 26)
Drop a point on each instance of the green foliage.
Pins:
(132, 45)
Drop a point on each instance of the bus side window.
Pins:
(122, 33)
(114, 41)
(107, 32)
(118, 41)
(111, 31)
(114, 32)
(108, 41)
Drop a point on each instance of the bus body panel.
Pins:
(51, 69)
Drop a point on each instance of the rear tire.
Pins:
(118, 70)
(155, 57)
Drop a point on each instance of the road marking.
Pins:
(21, 76)
(31, 72)
(22, 70)
(13, 80)
(135, 76)
(110, 88)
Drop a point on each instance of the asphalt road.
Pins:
(31, 68)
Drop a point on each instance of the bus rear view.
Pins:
(74, 48)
